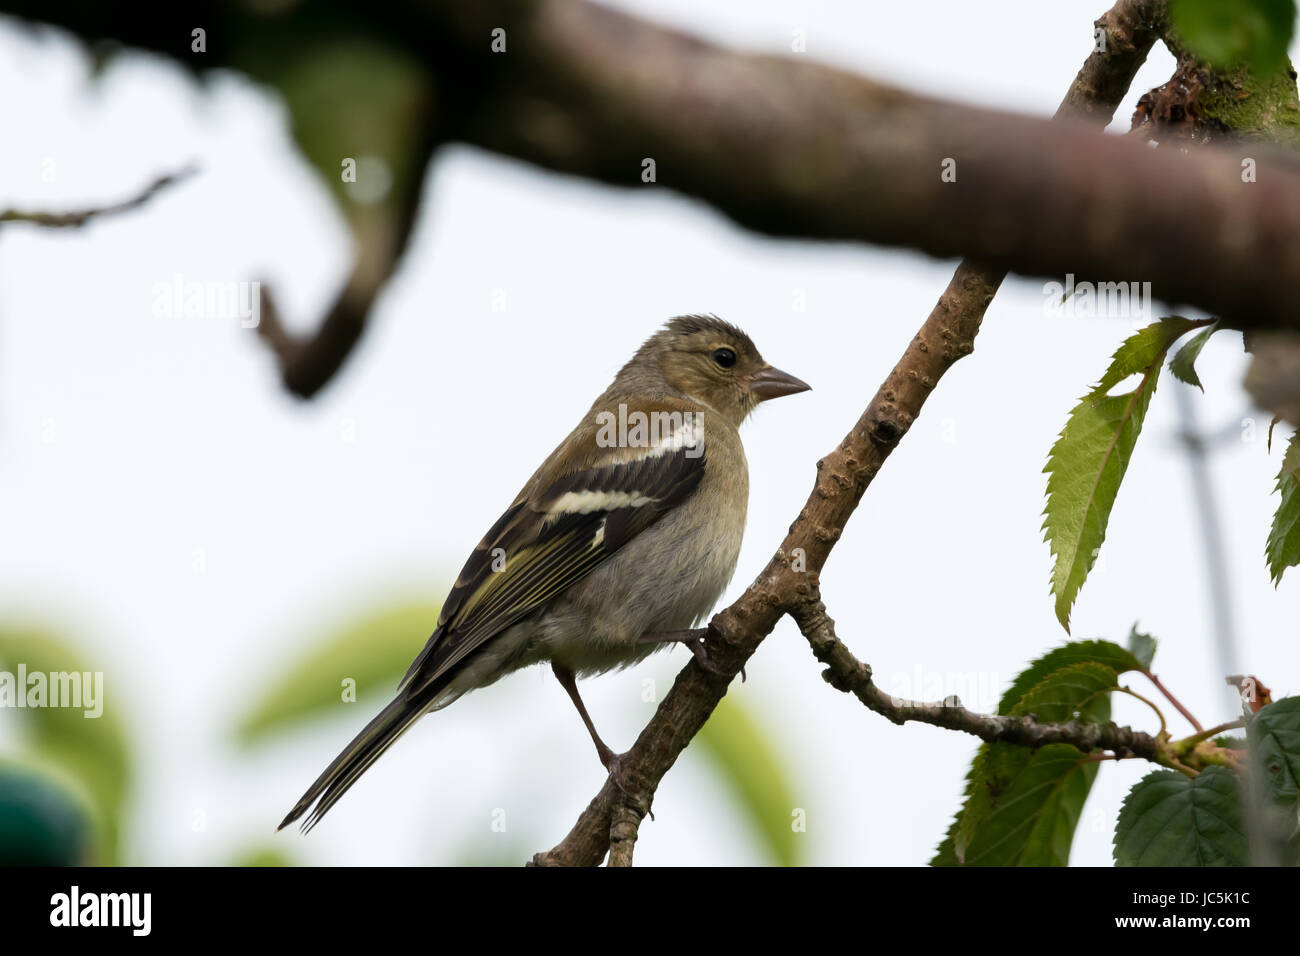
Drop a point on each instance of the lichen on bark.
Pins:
(1202, 103)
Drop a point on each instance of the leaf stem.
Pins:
(1187, 743)
(1174, 700)
(1164, 731)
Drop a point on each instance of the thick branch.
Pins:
(790, 147)
(794, 148)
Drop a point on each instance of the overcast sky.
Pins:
(175, 435)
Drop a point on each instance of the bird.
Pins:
(620, 543)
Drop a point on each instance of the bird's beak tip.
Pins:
(774, 383)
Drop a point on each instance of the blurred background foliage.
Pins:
(64, 793)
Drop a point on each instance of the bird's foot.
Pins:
(694, 641)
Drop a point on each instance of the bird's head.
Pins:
(716, 364)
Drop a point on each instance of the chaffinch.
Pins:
(623, 539)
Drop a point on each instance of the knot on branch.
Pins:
(886, 431)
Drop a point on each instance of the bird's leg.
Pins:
(694, 641)
(570, 684)
(613, 762)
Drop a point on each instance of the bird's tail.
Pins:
(367, 747)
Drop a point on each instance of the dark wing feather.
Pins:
(550, 541)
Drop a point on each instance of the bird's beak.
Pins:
(773, 383)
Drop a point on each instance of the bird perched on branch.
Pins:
(622, 540)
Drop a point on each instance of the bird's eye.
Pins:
(724, 357)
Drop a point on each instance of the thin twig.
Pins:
(1132, 693)
(846, 673)
(1173, 700)
(78, 218)
(622, 834)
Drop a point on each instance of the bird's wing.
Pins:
(548, 540)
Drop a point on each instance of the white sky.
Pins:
(172, 435)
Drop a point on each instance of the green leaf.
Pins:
(1227, 33)
(1169, 819)
(1142, 647)
(1076, 652)
(1077, 692)
(1274, 735)
(373, 650)
(1183, 364)
(1274, 748)
(741, 752)
(1088, 461)
(1142, 350)
(1283, 547)
(1022, 805)
(89, 753)
(1032, 823)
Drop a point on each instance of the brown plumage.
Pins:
(631, 527)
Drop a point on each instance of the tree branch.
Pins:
(846, 673)
(78, 218)
(382, 233)
(622, 834)
(790, 147)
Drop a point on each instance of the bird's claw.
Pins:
(701, 655)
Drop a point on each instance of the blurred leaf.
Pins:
(1022, 805)
(263, 856)
(92, 750)
(43, 821)
(1183, 364)
(501, 851)
(1226, 33)
(373, 650)
(740, 751)
(1088, 461)
(1274, 735)
(1283, 547)
(1142, 647)
(1169, 819)
(349, 96)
